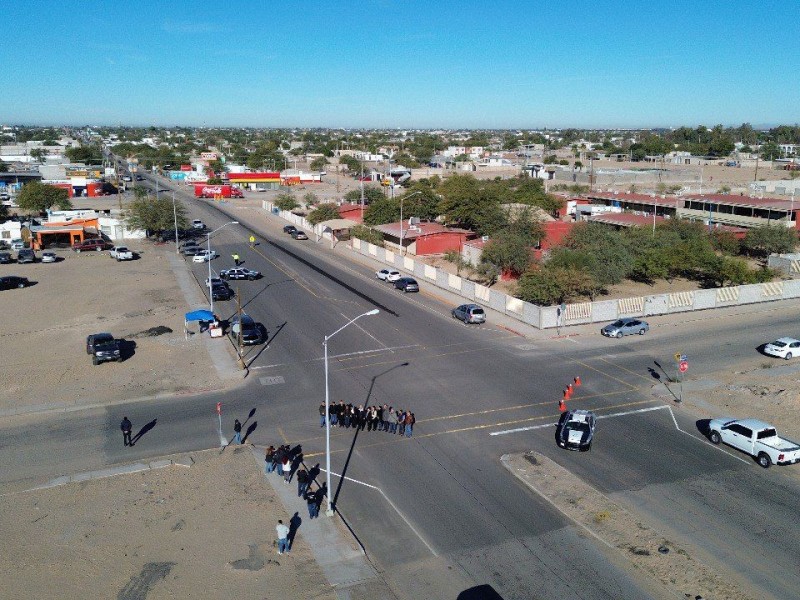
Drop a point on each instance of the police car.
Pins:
(575, 430)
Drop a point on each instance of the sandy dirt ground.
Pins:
(203, 531)
(44, 328)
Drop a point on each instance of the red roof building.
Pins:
(425, 238)
(354, 212)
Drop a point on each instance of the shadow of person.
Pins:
(654, 374)
(250, 430)
(296, 462)
(320, 494)
(294, 525)
(143, 431)
(297, 450)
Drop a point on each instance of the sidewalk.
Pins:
(219, 351)
(343, 562)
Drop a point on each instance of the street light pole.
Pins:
(208, 260)
(329, 506)
(175, 219)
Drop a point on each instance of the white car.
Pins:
(198, 224)
(784, 347)
(17, 244)
(388, 274)
(48, 257)
(205, 256)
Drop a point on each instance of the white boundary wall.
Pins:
(544, 317)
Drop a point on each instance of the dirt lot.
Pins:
(204, 531)
(44, 328)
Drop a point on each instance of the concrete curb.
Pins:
(111, 472)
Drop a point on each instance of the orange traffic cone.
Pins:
(562, 406)
(567, 393)
(569, 387)
(577, 381)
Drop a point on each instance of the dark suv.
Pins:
(12, 281)
(91, 244)
(221, 291)
(103, 347)
(252, 332)
(26, 256)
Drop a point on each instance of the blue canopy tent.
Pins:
(203, 316)
(200, 315)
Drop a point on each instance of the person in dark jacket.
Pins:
(362, 417)
(322, 414)
(341, 413)
(237, 432)
(311, 501)
(126, 426)
(302, 482)
(410, 420)
(269, 457)
(401, 422)
(348, 414)
(332, 410)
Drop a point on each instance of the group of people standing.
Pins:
(377, 418)
(287, 464)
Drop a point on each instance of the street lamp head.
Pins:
(374, 311)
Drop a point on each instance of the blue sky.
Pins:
(499, 64)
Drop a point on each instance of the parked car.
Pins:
(49, 257)
(407, 284)
(103, 347)
(252, 332)
(299, 235)
(120, 253)
(239, 273)
(575, 430)
(18, 244)
(760, 440)
(469, 313)
(784, 347)
(221, 291)
(214, 281)
(9, 282)
(191, 250)
(289, 228)
(97, 244)
(139, 178)
(26, 256)
(188, 244)
(627, 326)
(198, 224)
(5, 258)
(388, 275)
(127, 178)
(205, 256)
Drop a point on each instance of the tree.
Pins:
(470, 204)
(311, 199)
(323, 212)
(37, 196)
(39, 154)
(770, 151)
(152, 215)
(511, 252)
(351, 163)
(3, 167)
(286, 201)
(85, 154)
(371, 194)
(318, 164)
(369, 235)
(766, 240)
(549, 285)
(385, 210)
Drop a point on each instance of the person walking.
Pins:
(235, 258)
(410, 420)
(269, 458)
(302, 482)
(401, 422)
(283, 537)
(322, 414)
(126, 426)
(277, 460)
(286, 468)
(311, 502)
(237, 432)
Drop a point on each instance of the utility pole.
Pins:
(239, 333)
(755, 177)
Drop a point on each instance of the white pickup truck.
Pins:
(758, 439)
(120, 253)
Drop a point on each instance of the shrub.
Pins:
(286, 201)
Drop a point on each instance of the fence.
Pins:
(580, 313)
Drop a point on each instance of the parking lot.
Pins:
(44, 328)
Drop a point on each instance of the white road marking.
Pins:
(620, 414)
(345, 355)
(392, 504)
(705, 441)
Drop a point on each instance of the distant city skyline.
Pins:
(410, 65)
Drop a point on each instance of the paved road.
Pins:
(437, 512)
